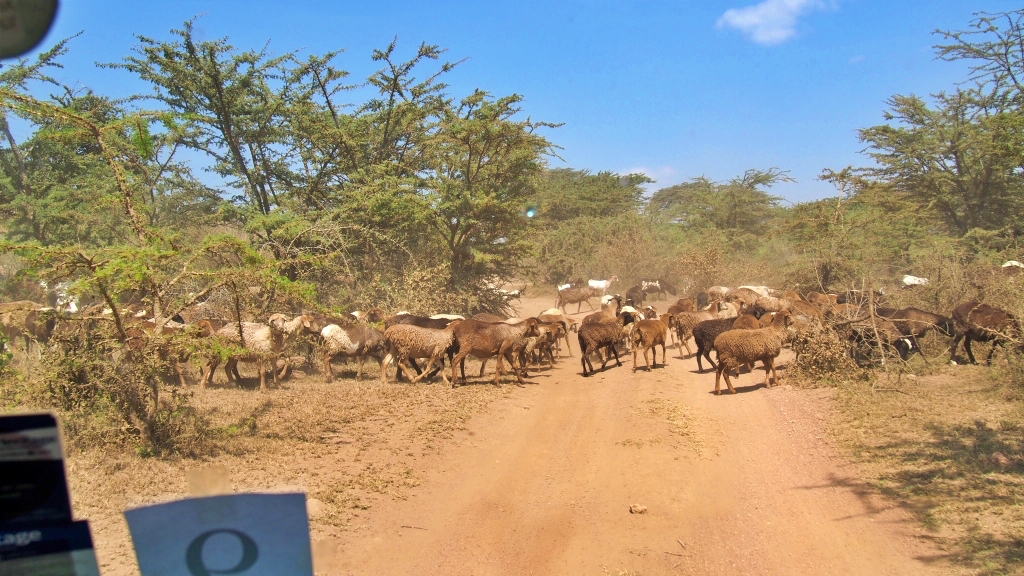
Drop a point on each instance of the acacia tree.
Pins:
(960, 158)
(483, 166)
(739, 205)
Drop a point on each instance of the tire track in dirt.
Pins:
(541, 483)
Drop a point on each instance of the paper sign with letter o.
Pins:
(245, 534)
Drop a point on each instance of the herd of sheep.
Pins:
(742, 325)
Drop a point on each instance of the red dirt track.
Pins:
(543, 480)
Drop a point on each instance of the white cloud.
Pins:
(770, 22)
(857, 59)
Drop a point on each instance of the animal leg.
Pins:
(263, 376)
(718, 379)
(954, 345)
(359, 368)
(967, 346)
(616, 352)
(728, 382)
(326, 358)
(647, 361)
(426, 370)
(207, 377)
(988, 361)
(459, 360)
(664, 355)
(483, 364)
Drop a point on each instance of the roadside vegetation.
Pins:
(256, 183)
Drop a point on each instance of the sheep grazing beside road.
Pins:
(407, 341)
(646, 335)
(483, 340)
(263, 343)
(600, 335)
(602, 285)
(863, 332)
(914, 324)
(984, 323)
(738, 347)
(575, 296)
(352, 342)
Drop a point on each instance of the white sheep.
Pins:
(262, 342)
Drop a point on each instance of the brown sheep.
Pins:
(686, 321)
(408, 341)
(488, 317)
(555, 315)
(599, 336)
(484, 340)
(683, 305)
(647, 334)
(914, 323)
(576, 296)
(792, 296)
(28, 321)
(984, 323)
(743, 296)
(738, 347)
(608, 311)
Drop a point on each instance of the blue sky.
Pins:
(675, 89)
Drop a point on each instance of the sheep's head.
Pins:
(277, 322)
(310, 325)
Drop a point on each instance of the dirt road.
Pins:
(542, 483)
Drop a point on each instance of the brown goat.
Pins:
(983, 323)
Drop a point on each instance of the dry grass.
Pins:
(949, 446)
(685, 422)
(348, 444)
